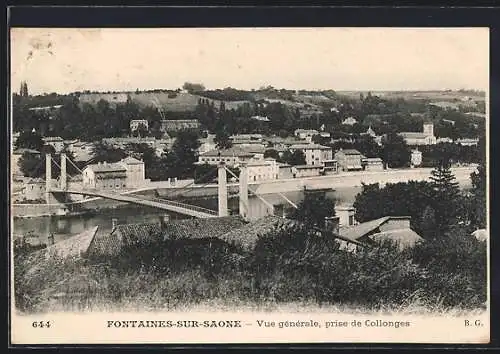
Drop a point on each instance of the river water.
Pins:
(63, 227)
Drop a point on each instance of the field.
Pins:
(170, 102)
(420, 95)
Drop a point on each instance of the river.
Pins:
(63, 227)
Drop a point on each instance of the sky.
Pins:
(342, 59)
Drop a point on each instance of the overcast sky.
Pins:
(67, 60)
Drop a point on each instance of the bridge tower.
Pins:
(243, 191)
(63, 177)
(48, 177)
(222, 189)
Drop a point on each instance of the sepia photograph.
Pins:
(249, 185)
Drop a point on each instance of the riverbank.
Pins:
(160, 189)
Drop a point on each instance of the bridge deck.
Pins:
(169, 205)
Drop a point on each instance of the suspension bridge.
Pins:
(161, 203)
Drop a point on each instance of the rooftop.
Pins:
(247, 235)
(234, 151)
(309, 147)
(129, 160)
(349, 152)
(305, 167)
(147, 233)
(357, 231)
(107, 167)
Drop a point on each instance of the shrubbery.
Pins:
(285, 266)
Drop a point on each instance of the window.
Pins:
(351, 220)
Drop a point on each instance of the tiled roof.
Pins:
(357, 231)
(143, 234)
(349, 152)
(108, 167)
(304, 167)
(360, 230)
(228, 152)
(309, 146)
(247, 236)
(403, 237)
(131, 161)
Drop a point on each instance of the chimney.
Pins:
(114, 223)
(164, 219)
(332, 224)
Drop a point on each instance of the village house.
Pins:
(349, 159)
(349, 121)
(262, 170)
(416, 158)
(305, 134)
(315, 154)
(372, 164)
(127, 173)
(389, 228)
(445, 140)
(105, 176)
(426, 137)
(135, 123)
(231, 157)
(346, 215)
(330, 167)
(285, 171)
(248, 141)
(173, 126)
(467, 142)
(306, 171)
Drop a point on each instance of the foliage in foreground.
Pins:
(285, 267)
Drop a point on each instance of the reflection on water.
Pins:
(64, 226)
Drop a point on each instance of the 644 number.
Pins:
(41, 324)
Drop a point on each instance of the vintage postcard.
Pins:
(249, 185)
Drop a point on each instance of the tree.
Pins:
(294, 158)
(395, 199)
(103, 152)
(223, 140)
(445, 196)
(32, 165)
(141, 131)
(272, 154)
(396, 153)
(181, 159)
(313, 209)
(29, 140)
(193, 87)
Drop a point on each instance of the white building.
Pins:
(416, 158)
(315, 154)
(127, 173)
(135, 123)
(467, 142)
(349, 121)
(262, 170)
(305, 134)
(425, 138)
(231, 157)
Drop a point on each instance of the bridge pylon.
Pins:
(222, 189)
(48, 178)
